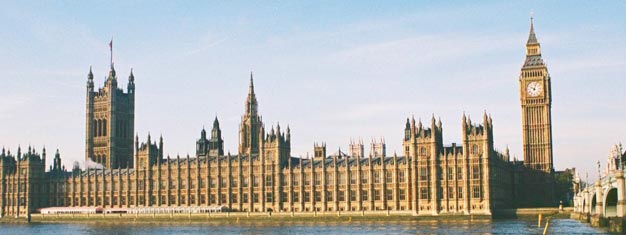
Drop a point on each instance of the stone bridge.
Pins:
(604, 198)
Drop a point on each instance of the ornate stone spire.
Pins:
(532, 38)
(251, 103)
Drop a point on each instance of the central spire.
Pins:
(251, 125)
(251, 103)
(532, 38)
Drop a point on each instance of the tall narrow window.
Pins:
(475, 172)
(104, 127)
(476, 192)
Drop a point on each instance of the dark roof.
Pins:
(328, 162)
(534, 60)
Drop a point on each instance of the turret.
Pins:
(90, 80)
(378, 148)
(320, 150)
(216, 144)
(160, 148)
(356, 149)
(407, 130)
(131, 82)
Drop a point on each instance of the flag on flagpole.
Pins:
(111, 48)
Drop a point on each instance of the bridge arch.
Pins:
(610, 203)
(593, 204)
(584, 208)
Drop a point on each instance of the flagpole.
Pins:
(111, 49)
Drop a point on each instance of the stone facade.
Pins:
(431, 178)
(110, 122)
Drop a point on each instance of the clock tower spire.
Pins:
(536, 100)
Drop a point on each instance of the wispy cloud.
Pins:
(424, 51)
(206, 46)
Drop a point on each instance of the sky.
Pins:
(331, 70)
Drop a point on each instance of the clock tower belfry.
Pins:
(536, 100)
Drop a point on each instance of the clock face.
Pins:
(534, 89)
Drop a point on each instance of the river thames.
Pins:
(505, 226)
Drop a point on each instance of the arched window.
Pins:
(104, 127)
(99, 126)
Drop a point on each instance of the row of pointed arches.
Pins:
(99, 127)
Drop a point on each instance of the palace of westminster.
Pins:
(430, 178)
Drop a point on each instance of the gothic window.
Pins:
(389, 194)
(329, 196)
(450, 173)
(98, 128)
(255, 182)
(269, 181)
(104, 127)
(341, 196)
(295, 197)
(475, 172)
(450, 192)
(307, 196)
(296, 180)
(352, 195)
(459, 173)
(422, 151)
(352, 178)
(423, 173)
(475, 149)
(376, 194)
(389, 177)
(376, 177)
(401, 178)
(342, 178)
(476, 192)
(364, 177)
(364, 195)
(424, 193)
(402, 194)
(318, 179)
(306, 179)
(269, 197)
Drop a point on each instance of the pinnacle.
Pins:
(532, 38)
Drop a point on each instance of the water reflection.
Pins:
(558, 226)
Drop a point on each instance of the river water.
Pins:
(508, 226)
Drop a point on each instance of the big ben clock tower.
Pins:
(536, 99)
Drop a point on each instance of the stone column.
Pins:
(599, 204)
(585, 195)
(621, 199)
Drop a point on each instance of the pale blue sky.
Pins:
(331, 70)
